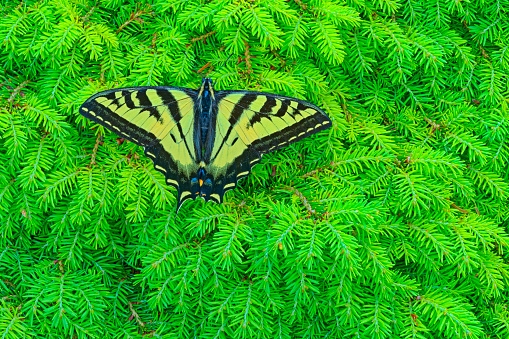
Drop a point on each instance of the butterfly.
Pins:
(203, 141)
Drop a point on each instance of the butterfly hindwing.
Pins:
(160, 119)
(250, 124)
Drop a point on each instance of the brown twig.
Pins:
(453, 205)
(16, 90)
(302, 6)
(247, 58)
(98, 142)
(484, 53)
(85, 18)
(203, 37)
(20, 5)
(154, 39)
(348, 115)
(134, 314)
(302, 199)
(433, 124)
(134, 16)
(316, 171)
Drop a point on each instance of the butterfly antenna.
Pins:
(224, 63)
(188, 58)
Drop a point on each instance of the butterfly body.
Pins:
(204, 141)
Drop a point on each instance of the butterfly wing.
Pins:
(160, 119)
(250, 124)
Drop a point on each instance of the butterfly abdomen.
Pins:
(204, 117)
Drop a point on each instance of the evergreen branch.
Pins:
(30, 173)
(378, 134)
(492, 270)
(483, 178)
(245, 321)
(5, 193)
(468, 256)
(158, 189)
(263, 27)
(339, 15)
(13, 325)
(348, 246)
(296, 37)
(464, 141)
(328, 41)
(281, 82)
(456, 316)
(378, 261)
(16, 24)
(166, 255)
(224, 304)
(430, 161)
(430, 235)
(410, 180)
(464, 52)
(60, 186)
(281, 10)
(228, 15)
(14, 133)
(353, 161)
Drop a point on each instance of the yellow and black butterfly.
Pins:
(204, 141)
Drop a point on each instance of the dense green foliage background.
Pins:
(391, 224)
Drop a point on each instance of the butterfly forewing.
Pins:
(160, 119)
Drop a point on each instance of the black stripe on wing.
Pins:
(105, 116)
(288, 135)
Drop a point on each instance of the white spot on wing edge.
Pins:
(84, 109)
(243, 173)
(172, 182)
(216, 198)
(184, 195)
(227, 186)
(161, 168)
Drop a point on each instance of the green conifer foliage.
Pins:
(391, 224)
